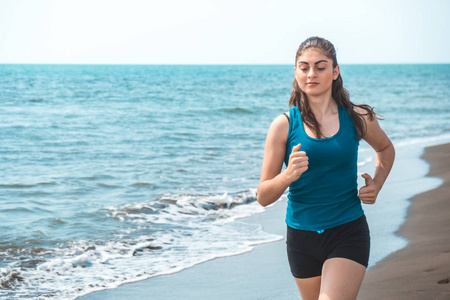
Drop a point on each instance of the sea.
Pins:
(112, 174)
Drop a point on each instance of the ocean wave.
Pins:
(171, 208)
(365, 161)
(24, 185)
(145, 184)
(20, 185)
(237, 110)
(432, 140)
(169, 234)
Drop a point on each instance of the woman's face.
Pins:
(314, 72)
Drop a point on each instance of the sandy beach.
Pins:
(419, 271)
(422, 269)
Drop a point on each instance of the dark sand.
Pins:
(422, 269)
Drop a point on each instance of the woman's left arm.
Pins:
(385, 154)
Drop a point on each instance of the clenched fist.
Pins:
(298, 164)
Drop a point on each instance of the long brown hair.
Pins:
(338, 92)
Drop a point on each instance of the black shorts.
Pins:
(308, 250)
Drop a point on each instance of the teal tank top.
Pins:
(325, 195)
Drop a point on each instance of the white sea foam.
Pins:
(365, 161)
(424, 141)
(198, 228)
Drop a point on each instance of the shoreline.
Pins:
(421, 270)
(262, 273)
(412, 271)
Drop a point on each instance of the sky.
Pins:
(221, 31)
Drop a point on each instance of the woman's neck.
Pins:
(322, 106)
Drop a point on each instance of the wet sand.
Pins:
(260, 274)
(422, 269)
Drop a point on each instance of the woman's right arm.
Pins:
(273, 182)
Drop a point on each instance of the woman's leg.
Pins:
(309, 288)
(341, 279)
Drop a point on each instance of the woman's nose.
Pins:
(311, 73)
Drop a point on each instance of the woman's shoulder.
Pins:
(365, 111)
(282, 120)
(280, 126)
(285, 117)
(359, 110)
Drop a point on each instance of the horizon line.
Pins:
(217, 64)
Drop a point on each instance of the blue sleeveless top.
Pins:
(325, 195)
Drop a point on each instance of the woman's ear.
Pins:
(336, 72)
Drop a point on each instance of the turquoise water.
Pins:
(112, 174)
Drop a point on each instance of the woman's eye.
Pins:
(320, 69)
(304, 69)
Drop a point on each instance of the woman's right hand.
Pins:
(298, 164)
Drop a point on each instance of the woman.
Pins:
(327, 234)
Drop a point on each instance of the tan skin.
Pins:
(341, 278)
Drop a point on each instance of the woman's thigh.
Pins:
(309, 288)
(341, 279)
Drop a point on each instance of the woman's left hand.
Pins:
(368, 193)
